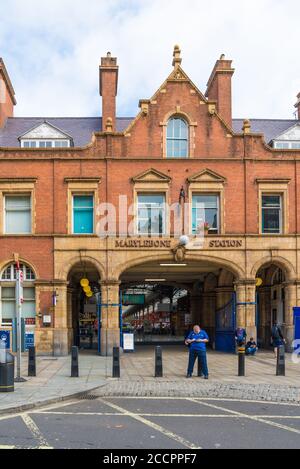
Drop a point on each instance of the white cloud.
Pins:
(52, 51)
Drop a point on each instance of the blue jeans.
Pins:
(201, 355)
(251, 351)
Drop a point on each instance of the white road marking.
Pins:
(251, 417)
(199, 399)
(145, 414)
(6, 447)
(33, 428)
(154, 426)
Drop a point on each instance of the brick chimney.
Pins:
(297, 106)
(7, 95)
(109, 71)
(219, 88)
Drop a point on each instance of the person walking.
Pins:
(196, 341)
(277, 338)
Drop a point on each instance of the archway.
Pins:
(163, 299)
(83, 306)
(271, 301)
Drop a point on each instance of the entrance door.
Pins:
(225, 327)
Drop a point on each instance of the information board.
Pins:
(128, 342)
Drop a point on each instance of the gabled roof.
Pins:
(59, 133)
(292, 133)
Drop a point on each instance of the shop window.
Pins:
(8, 295)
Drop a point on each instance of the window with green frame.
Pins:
(83, 214)
(271, 214)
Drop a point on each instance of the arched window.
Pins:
(177, 138)
(8, 295)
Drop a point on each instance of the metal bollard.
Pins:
(75, 364)
(280, 368)
(7, 374)
(241, 357)
(158, 363)
(116, 363)
(31, 362)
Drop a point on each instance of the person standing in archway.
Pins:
(277, 338)
(196, 341)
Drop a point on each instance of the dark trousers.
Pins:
(201, 355)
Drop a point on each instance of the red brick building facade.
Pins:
(251, 168)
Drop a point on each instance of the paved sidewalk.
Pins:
(53, 382)
(260, 382)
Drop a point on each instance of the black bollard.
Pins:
(74, 364)
(280, 368)
(116, 363)
(31, 362)
(158, 363)
(241, 356)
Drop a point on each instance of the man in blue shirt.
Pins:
(196, 342)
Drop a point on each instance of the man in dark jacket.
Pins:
(197, 341)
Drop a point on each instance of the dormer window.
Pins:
(288, 140)
(287, 145)
(45, 135)
(45, 143)
(177, 138)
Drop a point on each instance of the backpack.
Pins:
(276, 333)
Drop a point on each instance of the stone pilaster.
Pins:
(110, 316)
(246, 307)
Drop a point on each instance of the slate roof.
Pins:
(81, 128)
(271, 128)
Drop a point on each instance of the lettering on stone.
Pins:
(142, 244)
(228, 243)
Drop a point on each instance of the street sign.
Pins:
(29, 340)
(128, 300)
(5, 337)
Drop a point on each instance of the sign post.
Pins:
(19, 302)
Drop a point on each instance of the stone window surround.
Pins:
(22, 187)
(274, 187)
(151, 187)
(191, 133)
(209, 188)
(81, 186)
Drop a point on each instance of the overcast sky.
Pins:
(52, 51)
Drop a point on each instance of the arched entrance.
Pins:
(83, 300)
(162, 300)
(271, 302)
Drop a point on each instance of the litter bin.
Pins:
(7, 371)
